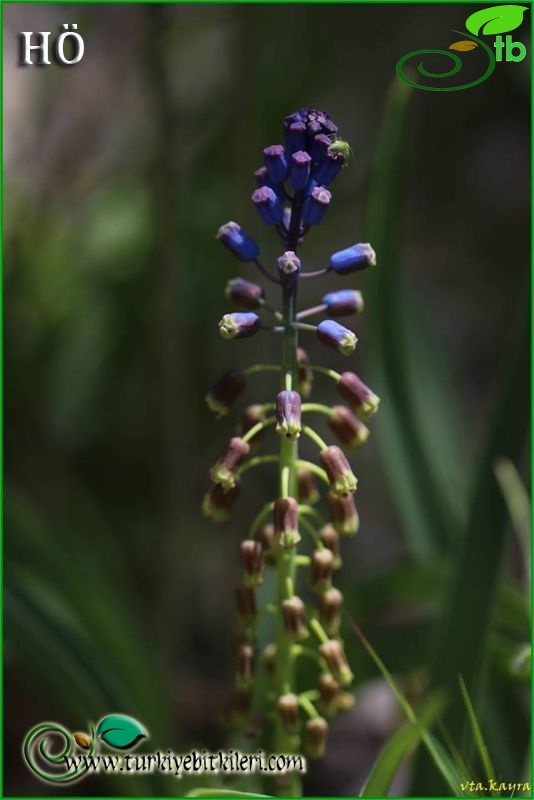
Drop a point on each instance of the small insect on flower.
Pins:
(343, 148)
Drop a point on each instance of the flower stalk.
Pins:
(292, 199)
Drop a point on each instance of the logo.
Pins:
(488, 22)
(55, 755)
(52, 752)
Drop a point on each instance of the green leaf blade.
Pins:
(477, 733)
(397, 748)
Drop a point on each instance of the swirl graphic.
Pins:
(457, 67)
(38, 753)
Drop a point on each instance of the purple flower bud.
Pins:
(295, 137)
(333, 653)
(336, 336)
(353, 259)
(245, 293)
(225, 392)
(293, 610)
(297, 116)
(308, 493)
(239, 325)
(319, 147)
(262, 176)
(300, 169)
(268, 205)
(316, 121)
(285, 517)
(327, 125)
(244, 665)
(344, 514)
(304, 374)
(224, 471)
(288, 414)
(217, 504)
(329, 604)
(327, 169)
(316, 735)
(348, 428)
(322, 564)
(330, 538)
(233, 237)
(314, 127)
(345, 702)
(246, 604)
(329, 690)
(343, 302)
(338, 469)
(238, 712)
(268, 657)
(315, 205)
(263, 179)
(361, 398)
(275, 161)
(252, 560)
(288, 267)
(266, 538)
(288, 710)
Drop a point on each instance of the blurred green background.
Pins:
(118, 173)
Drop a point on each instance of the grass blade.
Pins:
(477, 733)
(471, 602)
(518, 504)
(437, 753)
(396, 749)
(419, 466)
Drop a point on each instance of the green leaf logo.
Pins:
(120, 732)
(498, 19)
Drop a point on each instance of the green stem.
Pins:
(271, 310)
(310, 511)
(260, 517)
(256, 462)
(311, 434)
(286, 565)
(258, 427)
(310, 312)
(319, 471)
(317, 407)
(311, 694)
(308, 706)
(313, 533)
(261, 368)
(325, 371)
(308, 652)
(318, 630)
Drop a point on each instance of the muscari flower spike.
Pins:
(294, 189)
